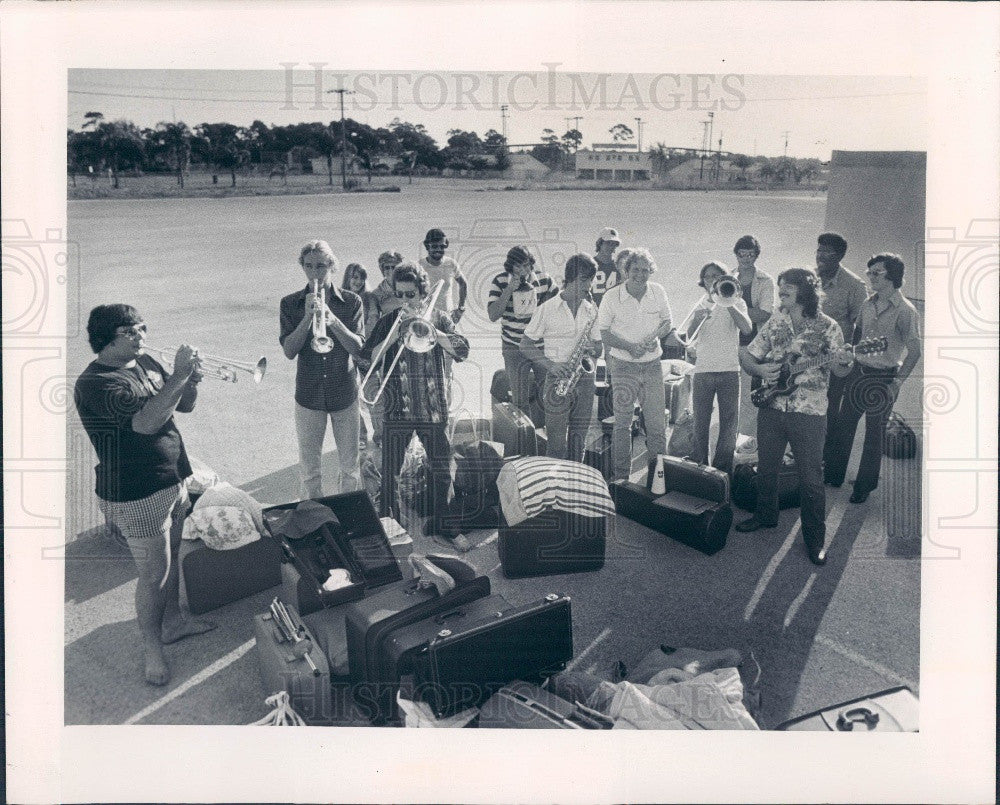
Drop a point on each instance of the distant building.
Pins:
(525, 168)
(613, 166)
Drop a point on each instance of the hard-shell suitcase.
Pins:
(470, 658)
(744, 489)
(515, 429)
(523, 706)
(282, 668)
(892, 710)
(599, 455)
(677, 390)
(692, 478)
(357, 543)
(211, 579)
(551, 542)
(696, 522)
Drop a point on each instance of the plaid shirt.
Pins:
(324, 381)
(417, 389)
(777, 342)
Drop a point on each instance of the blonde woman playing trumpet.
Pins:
(718, 324)
(321, 327)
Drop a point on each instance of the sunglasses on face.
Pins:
(131, 332)
(406, 294)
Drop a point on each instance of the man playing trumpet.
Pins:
(634, 316)
(716, 323)
(321, 328)
(126, 400)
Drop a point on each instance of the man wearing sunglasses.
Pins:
(126, 402)
(415, 396)
(873, 384)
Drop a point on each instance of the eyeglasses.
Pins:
(131, 332)
(406, 294)
(874, 274)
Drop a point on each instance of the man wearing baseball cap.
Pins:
(607, 274)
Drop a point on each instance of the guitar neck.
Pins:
(813, 363)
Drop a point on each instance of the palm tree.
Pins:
(176, 139)
(120, 143)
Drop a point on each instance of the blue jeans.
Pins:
(568, 420)
(643, 381)
(805, 433)
(310, 426)
(705, 387)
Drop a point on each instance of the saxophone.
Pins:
(581, 361)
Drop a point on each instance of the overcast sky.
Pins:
(750, 113)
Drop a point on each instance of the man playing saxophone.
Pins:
(567, 324)
(321, 327)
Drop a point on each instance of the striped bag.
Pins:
(531, 485)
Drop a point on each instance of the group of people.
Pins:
(551, 335)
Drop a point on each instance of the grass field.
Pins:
(211, 272)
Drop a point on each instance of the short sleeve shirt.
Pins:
(777, 342)
(894, 318)
(324, 381)
(131, 465)
(718, 339)
(522, 304)
(447, 270)
(843, 295)
(554, 323)
(605, 279)
(634, 319)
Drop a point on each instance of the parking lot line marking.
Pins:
(793, 607)
(491, 538)
(579, 657)
(197, 679)
(768, 573)
(116, 605)
(853, 656)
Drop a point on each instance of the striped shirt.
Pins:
(521, 305)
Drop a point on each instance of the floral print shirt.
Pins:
(777, 342)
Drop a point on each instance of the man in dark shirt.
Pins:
(126, 402)
(326, 385)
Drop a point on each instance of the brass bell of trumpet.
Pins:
(212, 366)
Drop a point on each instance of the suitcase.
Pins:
(552, 542)
(692, 478)
(368, 622)
(500, 387)
(695, 522)
(523, 706)
(358, 544)
(459, 658)
(309, 691)
(677, 390)
(745, 486)
(515, 429)
(892, 710)
(211, 579)
(599, 455)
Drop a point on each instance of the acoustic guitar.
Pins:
(786, 383)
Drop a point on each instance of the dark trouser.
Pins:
(868, 392)
(434, 437)
(526, 382)
(805, 433)
(834, 402)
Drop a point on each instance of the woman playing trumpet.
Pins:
(713, 327)
(321, 328)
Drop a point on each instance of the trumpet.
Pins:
(321, 342)
(420, 337)
(726, 290)
(211, 366)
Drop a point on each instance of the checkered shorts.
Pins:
(151, 516)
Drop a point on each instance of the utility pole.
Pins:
(638, 126)
(343, 136)
(706, 143)
(786, 142)
(503, 123)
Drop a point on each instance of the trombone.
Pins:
(420, 336)
(211, 366)
(321, 342)
(725, 291)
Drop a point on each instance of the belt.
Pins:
(884, 371)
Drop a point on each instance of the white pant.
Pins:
(310, 426)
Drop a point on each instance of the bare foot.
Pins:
(185, 628)
(157, 672)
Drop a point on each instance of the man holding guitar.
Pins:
(797, 331)
(874, 380)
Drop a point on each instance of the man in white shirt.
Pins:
(758, 295)
(633, 317)
(561, 323)
(439, 266)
